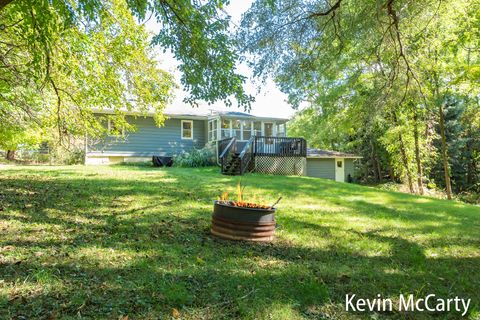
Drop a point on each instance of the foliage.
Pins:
(375, 86)
(94, 63)
(195, 31)
(196, 158)
(116, 242)
(74, 155)
(14, 137)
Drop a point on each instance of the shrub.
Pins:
(196, 158)
(75, 157)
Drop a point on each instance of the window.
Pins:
(339, 164)
(281, 130)
(226, 125)
(257, 128)
(212, 130)
(236, 132)
(115, 130)
(187, 129)
(246, 129)
(268, 132)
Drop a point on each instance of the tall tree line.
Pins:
(394, 80)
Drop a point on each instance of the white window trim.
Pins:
(211, 130)
(219, 129)
(242, 129)
(222, 129)
(216, 129)
(181, 129)
(273, 128)
(251, 128)
(122, 134)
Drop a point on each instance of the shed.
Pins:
(334, 165)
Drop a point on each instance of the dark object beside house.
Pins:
(162, 161)
(238, 223)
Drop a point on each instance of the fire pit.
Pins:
(243, 221)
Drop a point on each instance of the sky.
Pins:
(269, 100)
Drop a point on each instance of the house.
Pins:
(242, 142)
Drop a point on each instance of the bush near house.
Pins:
(196, 158)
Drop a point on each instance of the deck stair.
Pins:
(232, 168)
(238, 162)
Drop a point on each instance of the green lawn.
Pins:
(107, 242)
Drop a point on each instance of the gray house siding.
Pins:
(149, 140)
(321, 168)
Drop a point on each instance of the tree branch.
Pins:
(395, 23)
(326, 13)
(3, 3)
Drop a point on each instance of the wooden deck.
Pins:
(237, 162)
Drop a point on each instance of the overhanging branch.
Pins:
(401, 54)
(3, 3)
(326, 13)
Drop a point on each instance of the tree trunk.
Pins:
(392, 174)
(405, 164)
(471, 166)
(417, 154)
(403, 153)
(446, 168)
(10, 155)
(375, 163)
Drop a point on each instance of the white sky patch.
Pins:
(269, 100)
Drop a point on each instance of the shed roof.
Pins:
(318, 153)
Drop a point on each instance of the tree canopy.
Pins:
(378, 76)
(61, 59)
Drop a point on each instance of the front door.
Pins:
(339, 170)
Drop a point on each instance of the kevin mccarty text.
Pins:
(429, 303)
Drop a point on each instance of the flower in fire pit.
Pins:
(240, 202)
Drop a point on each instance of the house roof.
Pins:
(318, 153)
(243, 115)
(198, 114)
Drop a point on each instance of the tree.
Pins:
(87, 54)
(384, 67)
(14, 137)
(101, 64)
(195, 31)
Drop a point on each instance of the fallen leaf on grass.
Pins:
(52, 316)
(7, 248)
(175, 313)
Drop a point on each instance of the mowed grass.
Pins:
(111, 242)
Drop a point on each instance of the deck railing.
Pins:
(280, 147)
(226, 149)
(235, 161)
(246, 156)
(222, 145)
